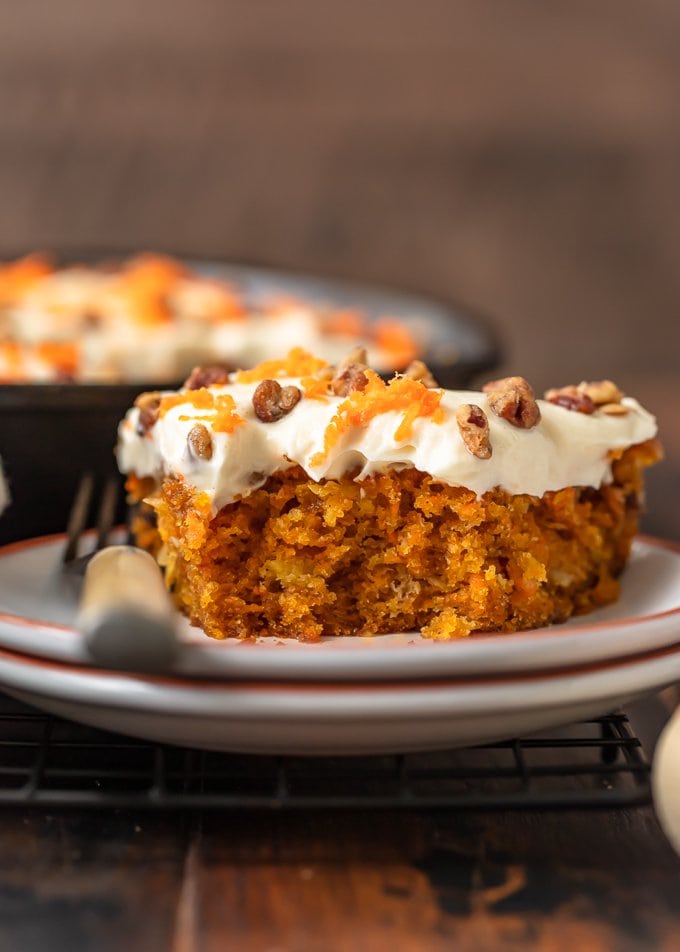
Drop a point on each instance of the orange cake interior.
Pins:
(304, 555)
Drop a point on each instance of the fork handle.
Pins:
(125, 613)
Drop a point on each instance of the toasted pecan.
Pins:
(149, 407)
(350, 374)
(272, 401)
(601, 392)
(473, 426)
(206, 377)
(417, 370)
(571, 398)
(513, 400)
(200, 442)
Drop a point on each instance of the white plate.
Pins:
(37, 611)
(331, 718)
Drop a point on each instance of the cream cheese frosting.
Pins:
(565, 448)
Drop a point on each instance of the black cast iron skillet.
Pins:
(51, 433)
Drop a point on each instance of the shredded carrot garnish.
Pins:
(12, 359)
(145, 286)
(361, 406)
(12, 355)
(226, 419)
(159, 268)
(315, 388)
(298, 363)
(397, 340)
(280, 305)
(17, 276)
(344, 323)
(62, 355)
(202, 399)
(220, 304)
(230, 308)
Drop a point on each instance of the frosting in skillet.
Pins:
(152, 319)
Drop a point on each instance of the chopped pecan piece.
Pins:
(350, 374)
(351, 379)
(272, 401)
(356, 356)
(614, 409)
(601, 391)
(513, 399)
(206, 377)
(91, 319)
(149, 406)
(419, 371)
(571, 398)
(474, 429)
(200, 442)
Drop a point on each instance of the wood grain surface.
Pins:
(309, 883)
(522, 156)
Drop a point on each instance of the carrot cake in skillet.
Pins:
(302, 500)
(152, 318)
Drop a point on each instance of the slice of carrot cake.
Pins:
(298, 499)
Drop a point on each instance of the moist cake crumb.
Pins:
(395, 507)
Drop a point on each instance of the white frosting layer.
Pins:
(565, 449)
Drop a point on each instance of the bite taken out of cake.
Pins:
(302, 500)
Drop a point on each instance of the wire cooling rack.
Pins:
(46, 761)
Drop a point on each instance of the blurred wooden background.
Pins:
(523, 157)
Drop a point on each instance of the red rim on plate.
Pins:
(552, 632)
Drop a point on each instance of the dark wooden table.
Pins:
(313, 882)
(586, 879)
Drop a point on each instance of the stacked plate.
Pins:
(343, 695)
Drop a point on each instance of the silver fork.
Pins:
(125, 614)
(77, 520)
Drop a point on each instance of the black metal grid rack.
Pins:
(49, 762)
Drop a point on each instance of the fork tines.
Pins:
(80, 510)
